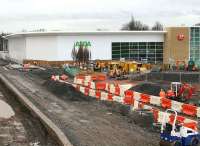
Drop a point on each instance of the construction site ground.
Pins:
(17, 126)
(85, 121)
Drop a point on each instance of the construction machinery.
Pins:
(177, 134)
(119, 69)
(116, 69)
(180, 92)
(71, 70)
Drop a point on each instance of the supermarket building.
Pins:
(171, 45)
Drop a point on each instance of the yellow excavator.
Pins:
(119, 69)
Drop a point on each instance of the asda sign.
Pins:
(84, 44)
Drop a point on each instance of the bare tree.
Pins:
(157, 26)
(135, 25)
(197, 24)
(83, 55)
(3, 42)
(74, 53)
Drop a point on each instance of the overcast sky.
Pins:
(16, 15)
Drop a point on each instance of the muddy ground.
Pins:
(84, 120)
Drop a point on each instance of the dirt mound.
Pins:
(47, 73)
(65, 91)
(149, 88)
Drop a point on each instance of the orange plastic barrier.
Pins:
(128, 93)
(80, 77)
(98, 94)
(101, 77)
(189, 109)
(128, 99)
(192, 125)
(100, 85)
(145, 98)
(155, 115)
(110, 97)
(87, 91)
(64, 77)
(180, 119)
(117, 90)
(94, 77)
(166, 103)
(89, 85)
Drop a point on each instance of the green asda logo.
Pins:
(84, 44)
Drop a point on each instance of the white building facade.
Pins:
(57, 46)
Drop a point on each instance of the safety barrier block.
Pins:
(192, 125)
(94, 77)
(161, 116)
(100, 85)
(135, 105)
(82, 89)
(92, 86)
(104, 96)
(128, 99)
(107, 87)
(111, 88)
(155, 115)
(136, 96)
(88, 78)
(117, 90)
(177, 106)
(101, 77)
(87, 91)
(92, 93)
(189, 109)
(180, 119)
(145, 98)
(166, 103)
(118, 99)
(80, 81)
(98, 94)
(198, 112)
(85, 83)
(155, 100)
(110, 97)
(82, 77)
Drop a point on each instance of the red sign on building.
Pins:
(180, 37)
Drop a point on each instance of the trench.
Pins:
(35, 132)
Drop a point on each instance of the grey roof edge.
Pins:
(55, 33)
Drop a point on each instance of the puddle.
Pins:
(6, 112)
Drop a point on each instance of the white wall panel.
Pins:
(58, 47)
(41, 48)
(101, 44)
(16, 48)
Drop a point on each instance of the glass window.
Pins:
(124, 55)
(115, 44)
(195, 43)
(115, 48)
(152, 51)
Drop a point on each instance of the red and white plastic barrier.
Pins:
(129, 100)
(122, 90)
